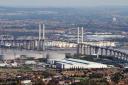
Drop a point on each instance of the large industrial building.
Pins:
(68, 63)
(76, 63)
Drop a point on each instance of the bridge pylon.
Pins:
(80, 47)
(41, 38)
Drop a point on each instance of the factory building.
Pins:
(60, 62)
(69, 63)
(77, 63)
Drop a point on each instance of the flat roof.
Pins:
(64, 62)
(77, 61)
(81, 61)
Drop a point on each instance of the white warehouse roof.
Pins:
(77, 63)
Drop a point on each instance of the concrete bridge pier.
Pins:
(24, 45)
(82, 49)
(121, 54)
(11, 42)
(106, 52)
(87, 50)
(33, 45)
(110, 52)
(78, 51)
(114, 53)
(27, 45)
(126, 57)
(101, 51)
(16, 45)
(118, 55)
(38, 45)
(43, 45)
(30, 45)
(93, 50)
(20, 44)
(90, 50)
(97, 51)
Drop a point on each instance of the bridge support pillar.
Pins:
(90, 50)
(101, 51)
(43, 45)
(106, 52)
(84, 49)
(110, 52)
(114, 53)
(78, 49)
(118, 55)
(97, 51)
(38, 48)
(87, 50)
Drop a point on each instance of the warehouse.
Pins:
(77, 63)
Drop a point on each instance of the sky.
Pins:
(62, 3)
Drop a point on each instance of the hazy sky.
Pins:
(61, 3)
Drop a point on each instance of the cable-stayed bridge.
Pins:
(82, 49)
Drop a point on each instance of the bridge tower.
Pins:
(41, 38)
(82, 48)
(80, 41)
(78, 46)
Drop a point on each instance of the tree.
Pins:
(117, 77)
